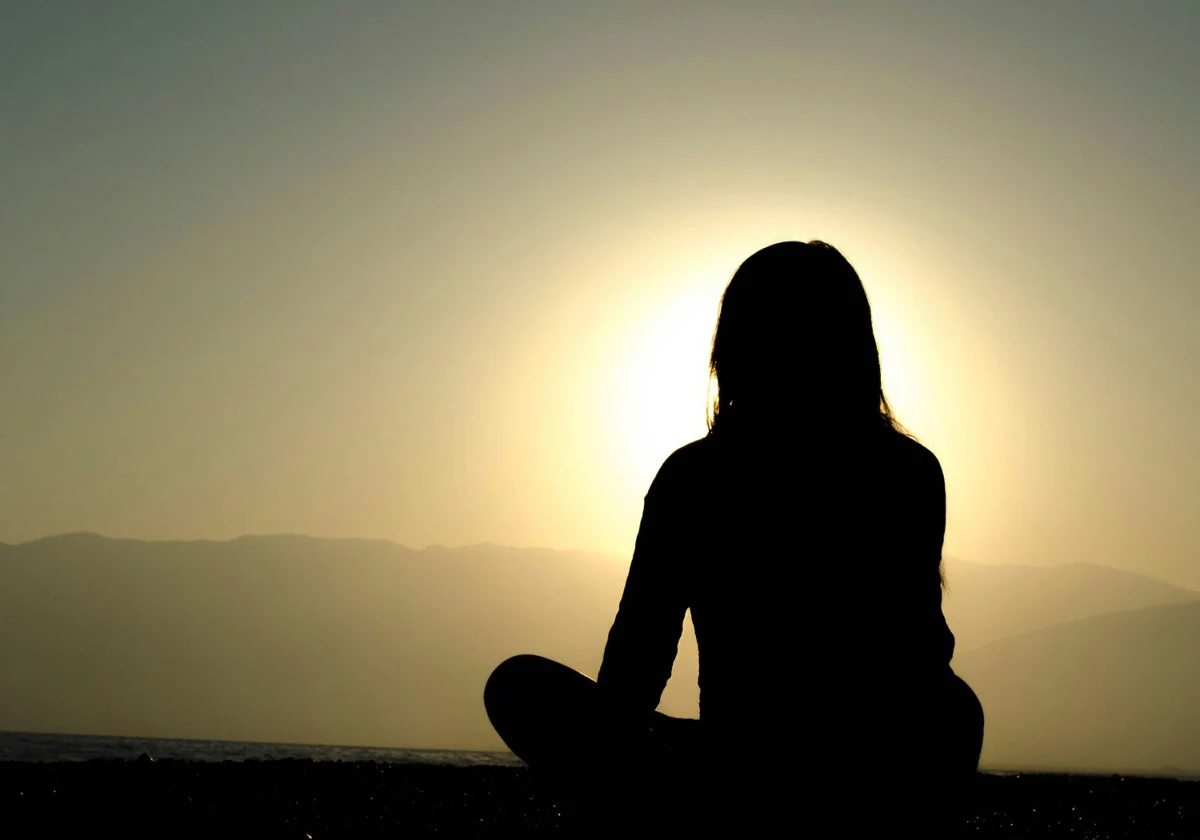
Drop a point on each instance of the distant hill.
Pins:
(288, 638)
(985, 603)
(1113, 692)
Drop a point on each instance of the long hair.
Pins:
(794, 343)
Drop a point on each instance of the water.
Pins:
(36, 746)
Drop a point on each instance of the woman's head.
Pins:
(794, 344)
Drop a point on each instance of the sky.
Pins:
(446, 273)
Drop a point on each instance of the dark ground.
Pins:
(303, 798)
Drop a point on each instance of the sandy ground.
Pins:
(302, 799)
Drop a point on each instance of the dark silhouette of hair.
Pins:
(794, 344)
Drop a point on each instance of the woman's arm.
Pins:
(644, 637)
(930, 544)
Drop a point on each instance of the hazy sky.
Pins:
(446, 272)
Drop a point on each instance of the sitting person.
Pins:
(804, 533)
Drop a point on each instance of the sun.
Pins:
(663, 382)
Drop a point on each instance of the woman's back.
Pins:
(803, 565)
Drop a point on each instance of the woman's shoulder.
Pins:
(685, 466)
(697, 463)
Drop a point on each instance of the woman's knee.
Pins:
(529, 679)
(507, 678)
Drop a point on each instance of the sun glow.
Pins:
(902, 381)
(664, 382)
(645, 346)
(665, 387)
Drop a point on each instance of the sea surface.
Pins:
(156, 787)
(31, 746)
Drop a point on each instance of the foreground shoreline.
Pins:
(302, 798)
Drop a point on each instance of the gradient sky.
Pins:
(446, 272)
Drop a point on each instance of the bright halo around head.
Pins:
(662, 392)
(902, 380)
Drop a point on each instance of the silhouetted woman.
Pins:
(804, 533)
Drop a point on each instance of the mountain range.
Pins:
(299, 639)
